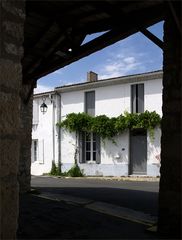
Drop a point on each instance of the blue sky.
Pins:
(135, 54)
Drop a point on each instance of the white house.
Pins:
(134, 153)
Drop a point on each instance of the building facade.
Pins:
(132, 153)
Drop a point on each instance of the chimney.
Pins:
(92, 77)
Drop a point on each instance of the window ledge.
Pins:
(91, 162)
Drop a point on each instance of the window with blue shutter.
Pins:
(90, 103)
(89, 142)
(137, 98)
(89, 147)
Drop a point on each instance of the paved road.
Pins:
(87, 209)
(140, 196)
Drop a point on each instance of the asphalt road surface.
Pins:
(137, 195)
(72, 208)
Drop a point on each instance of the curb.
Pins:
(130, 178)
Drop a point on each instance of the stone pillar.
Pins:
(171, 158)
(24, 175)
(12, 15)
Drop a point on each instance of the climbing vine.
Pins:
(107, 127)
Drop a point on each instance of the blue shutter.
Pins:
(82, 147)
(98, 155)
(140, 98)
(133, 98)
(90, 103)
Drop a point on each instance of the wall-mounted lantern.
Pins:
(43, 106)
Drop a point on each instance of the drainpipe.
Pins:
(53, 125)
(58, 98)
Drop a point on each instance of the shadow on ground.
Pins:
(46, 219)
(138, 200)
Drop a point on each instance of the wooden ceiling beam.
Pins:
(39, 38)
(115, 18)
(124, 28)
(45, 55)
(153, 38)
(84, 50)
(54, 46)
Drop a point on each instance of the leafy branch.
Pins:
(107, 127)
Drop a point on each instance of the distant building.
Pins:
(134, 154)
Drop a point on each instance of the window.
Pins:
(35, 112)
(90, 103)
(137, 98)
(89, 147)
(89, 142)
(34, 150)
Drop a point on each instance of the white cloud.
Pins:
(42, 88)
(129, 60)
(123, 63)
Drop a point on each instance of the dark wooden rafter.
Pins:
(173, 11)
(153, 38)
(39, 38)
(97, 44)
(46, 54)
(52, 48)
(66, 13)
(84, 50)
(113, 19)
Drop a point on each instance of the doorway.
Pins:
(138, 152)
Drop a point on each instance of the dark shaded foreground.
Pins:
(46, 219)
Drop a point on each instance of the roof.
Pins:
(55, 30)
(106, 82)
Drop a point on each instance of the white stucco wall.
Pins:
(72, 102)
(43, 133)
(153, 95)
(111, 101)
(153, 153)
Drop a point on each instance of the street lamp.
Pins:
(43, 106)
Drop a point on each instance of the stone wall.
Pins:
(170, 184)
(12, 15)
(24, 175)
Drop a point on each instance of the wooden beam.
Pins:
(86, 49)
(124, 28)
(153, 38)
(46, 54)
(173, 11)
(36, 41)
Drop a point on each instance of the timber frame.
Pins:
(55, 30)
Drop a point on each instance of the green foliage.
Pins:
(107, 127)
(77, 122)
(75, 171)
(55, 170)
(59, 172)
(103, 126)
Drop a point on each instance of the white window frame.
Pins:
(91, 151)
(34, 151)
